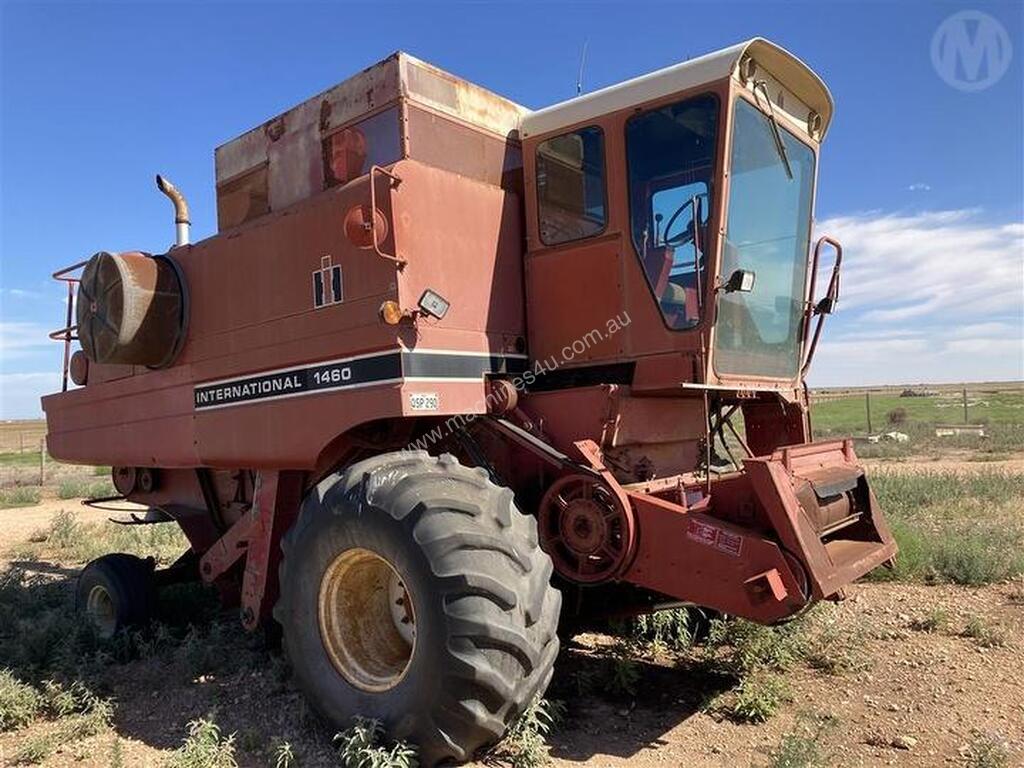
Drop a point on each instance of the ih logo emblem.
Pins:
(327, 287)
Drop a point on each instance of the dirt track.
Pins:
(16, 525)
(1013, 465)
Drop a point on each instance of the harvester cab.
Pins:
(410, 436)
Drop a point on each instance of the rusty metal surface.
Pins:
(848, 554)
(130, 309)
(400, 107)
(253, 310)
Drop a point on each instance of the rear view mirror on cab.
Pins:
(742, 280)
(826, 306)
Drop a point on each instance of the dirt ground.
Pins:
(950, 463)
(919, 701)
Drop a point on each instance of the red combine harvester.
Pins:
(453, 371)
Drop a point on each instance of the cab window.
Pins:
(671, 157)
(571, 198)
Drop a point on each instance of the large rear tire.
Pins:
(414, 592)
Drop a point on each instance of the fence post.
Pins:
(965, 406)
(867, 403)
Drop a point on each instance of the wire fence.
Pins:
(939, 412)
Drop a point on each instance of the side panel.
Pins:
(255, 326)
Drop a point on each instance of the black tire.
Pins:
(128, 582)
(485, 611)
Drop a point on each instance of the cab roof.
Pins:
(782, 65)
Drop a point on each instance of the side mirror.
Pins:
(826, 306)
(742, 281)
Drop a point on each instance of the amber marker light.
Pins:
(391, 313)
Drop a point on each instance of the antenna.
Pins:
(583, 60)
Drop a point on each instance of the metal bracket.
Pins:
(257, 536)
(394, 181)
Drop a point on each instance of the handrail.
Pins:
(68, 333)
(827, 303)
(372, 223)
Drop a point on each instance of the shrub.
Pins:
(835, 648)
(284, 755)
(802, 747)
(82, 542)
(623, 675)
(987, 750)
(759, 697)
(984, 635)
(84, 488)
(663, 629)
(36, 748)
(749, 647)
(65, 532)
(79, 714)
(20, 496)
(204, 747)
(360, 747)
(524, 745)
(19, 703)
(935, 620)
(896, 416)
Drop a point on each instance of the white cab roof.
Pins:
(783, 67)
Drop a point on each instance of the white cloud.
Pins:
(934, 296)
(919, 186)
(21, 293)
(20, 339)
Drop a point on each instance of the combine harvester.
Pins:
(453, 371)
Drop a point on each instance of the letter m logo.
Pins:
(971, 50)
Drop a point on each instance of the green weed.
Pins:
(19, 702)
(669, 629)
(983, 634)
(987, 750)
(20, 496)
(284, 755)
(803, 747)
(360, 746)
(84, 488)
(936, 620)
(743, 647)
(525, 743)
(204, 747)
(759, 696)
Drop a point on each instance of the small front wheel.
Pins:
(115, 592)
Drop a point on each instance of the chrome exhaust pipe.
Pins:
(181, 222)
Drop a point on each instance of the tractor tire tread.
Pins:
(493, 578)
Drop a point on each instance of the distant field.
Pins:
(21, 436)
(848, 412)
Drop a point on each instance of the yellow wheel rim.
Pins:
(99, 607)
(367, 621)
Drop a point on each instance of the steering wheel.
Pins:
(686, 236)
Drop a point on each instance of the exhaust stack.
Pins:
(181, 222)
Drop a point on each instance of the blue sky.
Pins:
(923, 182)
